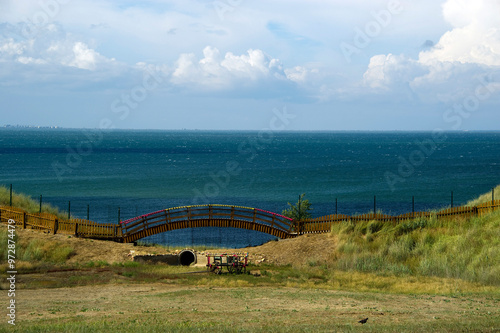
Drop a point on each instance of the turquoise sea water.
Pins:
(144, 171)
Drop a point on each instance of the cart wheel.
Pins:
(231, 269)
(218, 270)
(239, 269)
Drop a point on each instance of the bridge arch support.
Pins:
(223, 216)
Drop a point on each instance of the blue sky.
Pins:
(230, 64)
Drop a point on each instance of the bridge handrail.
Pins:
(179, 208)
(200, 212)
(125, 222)
(275, 214)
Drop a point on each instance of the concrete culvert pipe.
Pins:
(187, 257)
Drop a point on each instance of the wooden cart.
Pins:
(234, 263)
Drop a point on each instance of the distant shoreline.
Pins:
(55, 127)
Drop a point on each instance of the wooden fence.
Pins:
(51, 224)
(109, 231)
(325, 223)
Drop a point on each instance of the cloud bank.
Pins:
(266, 51)
(452, 68)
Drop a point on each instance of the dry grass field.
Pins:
(167, 306)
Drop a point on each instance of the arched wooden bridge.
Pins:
(216, 216)
(207, 216)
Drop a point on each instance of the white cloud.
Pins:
(85, 58)
(296, 74)
(388, 72)
(216, 72)
(10, 47)
(73, 53)
(475, 37)
(470, 44)
(376, 76)
(84, 36)
(54, 47)
(254, 65)
(461, 13)
(450, 69)
(30, 60)
(57, 60)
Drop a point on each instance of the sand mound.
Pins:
(302, 250)
(305, 249)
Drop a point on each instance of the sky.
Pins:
(251, 65)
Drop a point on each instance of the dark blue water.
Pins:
(137, 172)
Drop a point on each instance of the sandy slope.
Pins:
(301, 250)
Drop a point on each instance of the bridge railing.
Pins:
(187, 214)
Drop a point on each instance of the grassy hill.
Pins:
(465, 249)
(27, 203)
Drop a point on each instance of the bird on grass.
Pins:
(363, 321)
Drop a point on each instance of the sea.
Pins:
(112, 175)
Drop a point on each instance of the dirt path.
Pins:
(252, 308)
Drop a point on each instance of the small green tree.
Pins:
(300, 210)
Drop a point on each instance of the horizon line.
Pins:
(55, 127)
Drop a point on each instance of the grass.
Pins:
(36, 253)
(319, 277)
(485, 198)
(459, 249)
(166, 308)
(27, 203)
